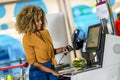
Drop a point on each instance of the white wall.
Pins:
(57, 29)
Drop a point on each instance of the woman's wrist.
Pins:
(60, 50)
(55, 51)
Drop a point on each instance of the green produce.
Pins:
(80, 63)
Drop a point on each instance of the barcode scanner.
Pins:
(69, 48)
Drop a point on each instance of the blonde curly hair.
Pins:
(25, 20)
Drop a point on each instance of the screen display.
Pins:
(93, 37)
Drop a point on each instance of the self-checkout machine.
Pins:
(104, 47)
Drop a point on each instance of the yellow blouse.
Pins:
(37, 49)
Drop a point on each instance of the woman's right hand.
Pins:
(58, 74)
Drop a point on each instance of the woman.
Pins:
(37, 43)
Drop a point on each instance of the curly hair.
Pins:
(26, 18)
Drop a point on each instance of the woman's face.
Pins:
(39, 24)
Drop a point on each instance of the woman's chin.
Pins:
(39, 28)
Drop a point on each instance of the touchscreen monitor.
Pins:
(93, 39)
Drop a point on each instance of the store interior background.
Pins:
(9, 8)
(80, 18)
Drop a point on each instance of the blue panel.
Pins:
(3, 55)
(2, 11)
(20, 5)
(80, 10)
(12, 48)
(112, 2)
(6, 44)
(84, 17)
(3, 26)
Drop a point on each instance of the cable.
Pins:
(61, 58)
(69, 48)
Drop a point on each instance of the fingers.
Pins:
(68, 48)
(58, 74)
(65, 50)
(61, 74)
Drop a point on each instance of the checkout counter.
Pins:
(106, 62)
